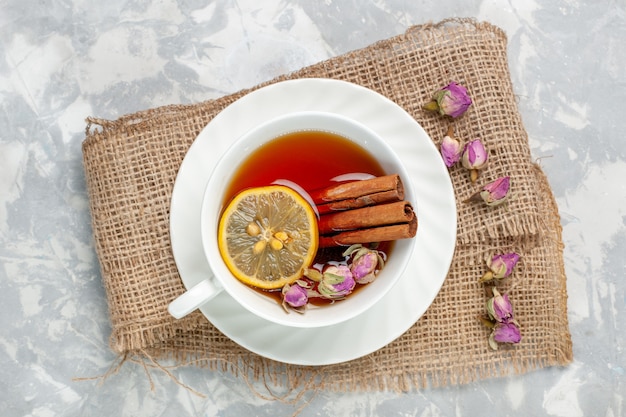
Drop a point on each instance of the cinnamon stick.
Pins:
(374, 234)
(362, 201)
(363, 218)
(364, 211)
(359, 188)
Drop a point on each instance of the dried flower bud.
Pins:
(295, 295)
(504, 328)
(451, 100)
(494, 193)
(474, 157)
(365, 263)
(337, 282)
(451, 148)
(499, 307)
(504, 333)
(500, 266)
(364, 267)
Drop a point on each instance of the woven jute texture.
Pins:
(131, 164)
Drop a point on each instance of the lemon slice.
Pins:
(267, 236)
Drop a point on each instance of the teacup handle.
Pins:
(194, 298)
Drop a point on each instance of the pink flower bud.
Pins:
(451, 100)
(295, 295)
(363, 267)
(451, 149)
(504, 333)
(504, 328)
(500, 266)
(475, 155)
(499, 307)
(365, 263)
(496, 192)
(337, 282)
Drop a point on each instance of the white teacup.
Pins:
(212, 206)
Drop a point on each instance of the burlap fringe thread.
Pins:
(131, 164)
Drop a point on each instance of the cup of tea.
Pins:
(305, 152)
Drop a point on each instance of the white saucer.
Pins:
(435, 240)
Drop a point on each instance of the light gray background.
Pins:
(62, 60)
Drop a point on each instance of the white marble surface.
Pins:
(62, 60)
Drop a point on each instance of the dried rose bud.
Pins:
(494, 193)
(365, 263)
(451, 100)
(504, 328)
(337, 282)
(451, 148)
(364, 268)
(500, 266)
(475, 155)
(504, 333)
(295, 295)
(474, 158)
(499, 307)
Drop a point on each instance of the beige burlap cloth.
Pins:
(131, 164)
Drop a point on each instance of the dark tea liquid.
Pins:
(309, 158)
